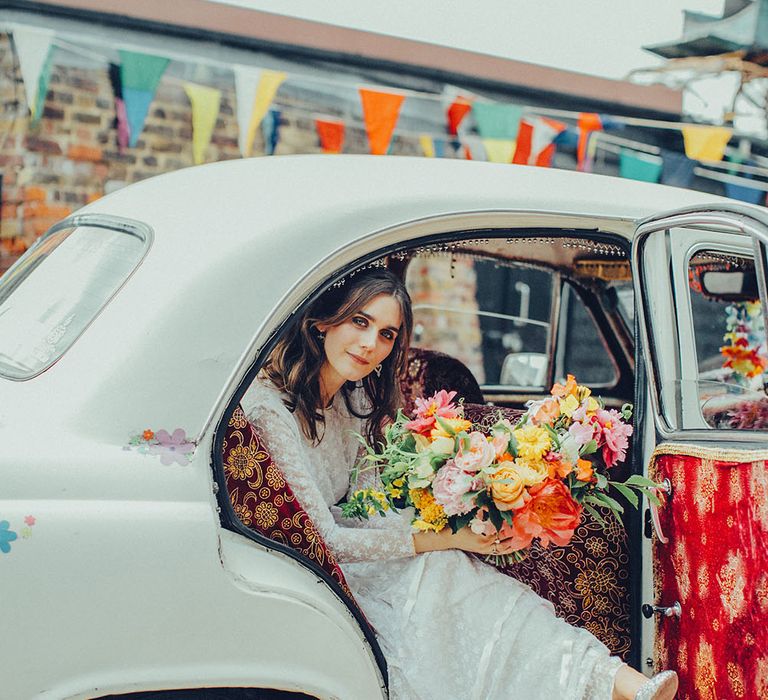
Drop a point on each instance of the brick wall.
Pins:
(70, 157)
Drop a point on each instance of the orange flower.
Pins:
(551, 515)
(148, 435)
(584, 470)
(559, 468)
(548, 412)
(571, 388)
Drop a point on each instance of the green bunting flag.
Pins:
(495, 121)
(140, 74)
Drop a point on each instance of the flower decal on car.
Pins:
(7, 535)
(172, 447)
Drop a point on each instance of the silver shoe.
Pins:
(663, 686)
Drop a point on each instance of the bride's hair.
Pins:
(294, 364)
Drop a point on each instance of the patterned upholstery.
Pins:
(716, 565)
(264, 501)
(587, 581)
(429, 371)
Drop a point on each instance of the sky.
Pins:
(598, 37)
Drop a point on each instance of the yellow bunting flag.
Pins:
(255, 89)
(205, 110)
(427, 145)
(706, 142)
(380, 112)
(265, 92)
(499, 150)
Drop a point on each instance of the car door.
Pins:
(703, 435)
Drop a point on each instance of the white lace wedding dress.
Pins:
(450, 626)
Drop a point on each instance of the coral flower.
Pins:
(571, 388)
(439, 404)
(551, 515)
(148, 435)
(548, 412)
(584, 471)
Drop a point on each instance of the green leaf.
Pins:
(512, 445)
(627, 492)
(612, 503)
(507, 516)
(652, 497)
(588, 449)
(593, 512)
(445, 426)
(637, 480)
(553, 436)
(457, 522)
(626, 411)
(602, 480)
(494, 515)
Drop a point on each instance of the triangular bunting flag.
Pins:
(121, 116)
(677, 169)
(588, 122)
(439, 147)
(140, 74)
(497, 121)
(270, 129)
(457, 110)
(331, 134)
(473, 147)
(255, 90)
(33, 47)
(534, 141)
(205, 110)
(380, 113)
(499, 150)
(705, 142)
(639, 166)
(427, 145)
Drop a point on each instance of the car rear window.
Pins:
(56, 289)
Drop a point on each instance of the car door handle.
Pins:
(674, 610)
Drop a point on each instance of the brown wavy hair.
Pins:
(294, 364)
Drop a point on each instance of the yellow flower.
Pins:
(532, 442)
(593, 406)
(568, 405)
(531, 473)
(424, 526)
(456, 424)
(430, 511)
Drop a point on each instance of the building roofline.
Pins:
(257, 30)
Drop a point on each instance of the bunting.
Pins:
(639, 166)
(270, 129)
(427, 145)
(255, 89)
(587, 123)
(381, 111)
(535, 141)
(677, 169)
(497, 121)
(121, 115)
(205, 111)
(473, 147)
(140, 74)
(33, 48)
(705, 142)
(457, 110)
(331, 135)
(499, 150)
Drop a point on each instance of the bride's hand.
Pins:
(464, 539)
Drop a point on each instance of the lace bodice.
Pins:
(319, 476)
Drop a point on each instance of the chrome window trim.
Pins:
(732, 218)
(119, 224)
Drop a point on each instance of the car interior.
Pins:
(499, 316)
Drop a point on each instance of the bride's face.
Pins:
(355, 347)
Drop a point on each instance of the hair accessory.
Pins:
(377, 369)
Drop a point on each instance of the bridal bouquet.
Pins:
(531, 480)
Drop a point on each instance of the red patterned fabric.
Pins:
(716, 565)
(587, 581)
(263, 500)
(429, 371)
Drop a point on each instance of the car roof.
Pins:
(233, 239)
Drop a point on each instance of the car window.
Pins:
(57, 288)
(730, 341)
(493, 316)
(581, 348)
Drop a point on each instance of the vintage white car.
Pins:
(148, 547)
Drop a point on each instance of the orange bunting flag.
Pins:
(331, 134)
(588, 122)
(535, 141)
(380, 113)
(456, 112)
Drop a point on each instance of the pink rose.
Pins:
(614, 436)
(449, 486)
(480, 453)
(582, 433)
(500, 443)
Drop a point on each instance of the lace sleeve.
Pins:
(280, 432)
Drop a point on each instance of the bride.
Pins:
(450, 626)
